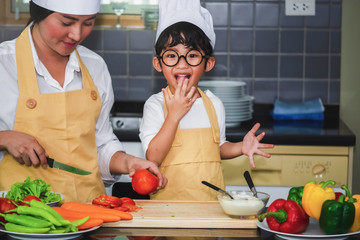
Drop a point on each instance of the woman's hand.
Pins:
(122, 163)
(138, 163)
(251, 144)
(23, 147)
(182, 101)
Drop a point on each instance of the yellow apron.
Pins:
(63, 123)
(193, 157)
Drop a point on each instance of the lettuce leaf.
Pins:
(37, 187)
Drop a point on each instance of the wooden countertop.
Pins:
(183, 214)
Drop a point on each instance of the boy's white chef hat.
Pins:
(173, 11)
(76, 7)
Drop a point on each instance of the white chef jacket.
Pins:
(153, 117)
(106, 141)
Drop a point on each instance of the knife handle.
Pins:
(50, 162)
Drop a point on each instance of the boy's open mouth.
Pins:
(182, 76)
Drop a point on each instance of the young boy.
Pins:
(183, 128)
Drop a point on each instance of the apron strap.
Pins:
(84, 73)
(25, 65)
(212, 116)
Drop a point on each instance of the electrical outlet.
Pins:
(300, 7)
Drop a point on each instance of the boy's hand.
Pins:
(251, 144)
(182, 101)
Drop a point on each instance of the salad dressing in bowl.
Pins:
(244, 203)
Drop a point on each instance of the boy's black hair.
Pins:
(37, 13)
(184, 33)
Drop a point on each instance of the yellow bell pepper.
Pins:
(355, 199)
(315, 195)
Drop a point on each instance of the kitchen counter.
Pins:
(329, 132)
(190, 234)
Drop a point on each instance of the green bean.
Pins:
(44, 206)
(34, 211)
(57, 231)
(11, 227)
(28, 221)
(65, 229)
(34, 203)
(80, 221)
(73, 228)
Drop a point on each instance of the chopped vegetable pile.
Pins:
(37, 188)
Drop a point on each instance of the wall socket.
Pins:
(300, 7)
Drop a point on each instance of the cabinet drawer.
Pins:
(308, 150)
(287, 170)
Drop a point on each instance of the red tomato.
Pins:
(122, 208)
(144, 182)
(6, 204)
(107, 201)
(131, 208)
(28, 199)
(126, 200)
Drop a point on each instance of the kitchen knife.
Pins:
(250, 182)
(62, 166)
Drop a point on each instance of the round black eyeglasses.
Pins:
(193, 57)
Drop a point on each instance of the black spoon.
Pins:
(250, 182)
(216, 188)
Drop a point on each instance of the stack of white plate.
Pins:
(238, 106)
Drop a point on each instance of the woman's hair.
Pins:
(37, 13)
(184, 33)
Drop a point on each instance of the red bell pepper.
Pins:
(107, 201)
(285, 216)
(337, 195)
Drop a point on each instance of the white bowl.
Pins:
(244, 204)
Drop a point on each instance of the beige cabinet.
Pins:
(293, 166)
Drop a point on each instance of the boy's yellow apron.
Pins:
(63, 123)
(193, 157)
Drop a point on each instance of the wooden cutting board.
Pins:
(182, 214)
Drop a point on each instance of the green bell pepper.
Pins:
(337, 217)
(295, 194)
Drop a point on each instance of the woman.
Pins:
(55, 100)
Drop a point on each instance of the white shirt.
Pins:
(153, 117)
(106, 141)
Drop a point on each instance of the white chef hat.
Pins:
(76, 7)
(173, 11)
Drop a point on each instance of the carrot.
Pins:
(73, 213)
(89, 208)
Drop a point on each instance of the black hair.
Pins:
(184, 33)
(37, 13)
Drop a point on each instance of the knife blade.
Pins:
(62, 166)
